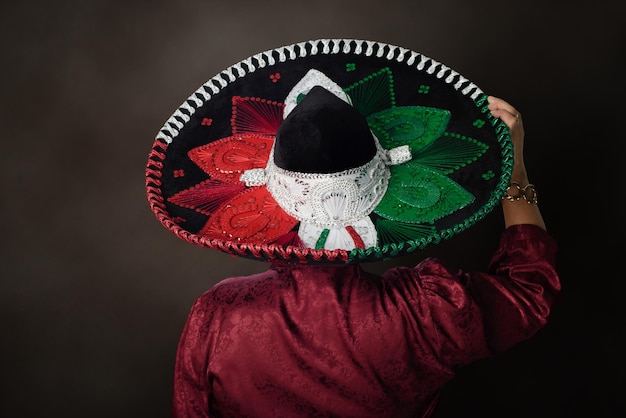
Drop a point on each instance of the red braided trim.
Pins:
(358, 241)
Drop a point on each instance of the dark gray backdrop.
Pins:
(94, 291)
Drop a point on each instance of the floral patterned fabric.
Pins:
(336, 341)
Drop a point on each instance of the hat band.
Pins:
(330, 200)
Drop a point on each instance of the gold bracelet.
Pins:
(528, 192)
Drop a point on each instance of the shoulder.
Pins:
(430, 281)
(238, 289)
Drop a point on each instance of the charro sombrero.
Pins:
(329, 151)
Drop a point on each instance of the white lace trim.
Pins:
(399, 155)
(311, 79)
(333, 200)
(254, 177)
(330, 200)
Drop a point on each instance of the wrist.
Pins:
(521, 191)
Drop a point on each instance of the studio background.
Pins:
(94, 292)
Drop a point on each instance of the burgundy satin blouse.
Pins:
(321, 341)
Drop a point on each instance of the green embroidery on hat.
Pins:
(419, 190)
(488, 175)
(420, 195)
(424, 89)
(415, 126)
(479, 123)
(373, 93)
(450, 153)
(300, 97)
(394, 232)
(350, 66)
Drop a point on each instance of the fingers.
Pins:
(504, 111)
(511, 117)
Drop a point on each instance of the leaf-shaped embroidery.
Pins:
(226, 158)
(390, 232)
(207, 196)
(253, 215)
(415, 126)
(373, 93)
(419, 195)
(449, 153)
(253, 114)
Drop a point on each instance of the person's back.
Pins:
(336, 341)
(306, 342)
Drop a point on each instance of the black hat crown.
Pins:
(323, 134)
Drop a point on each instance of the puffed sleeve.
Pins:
(191, 386)
(465, 316)
(520, 287)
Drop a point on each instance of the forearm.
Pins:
(520, 209)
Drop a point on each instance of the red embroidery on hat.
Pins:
(252, 216)
(207, 196)
(207, 122)
(260, 116)
(275, 77)
(227, 158)
(179, 173)
(358, 241)
(238, 214)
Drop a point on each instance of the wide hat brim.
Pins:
(461, 165)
